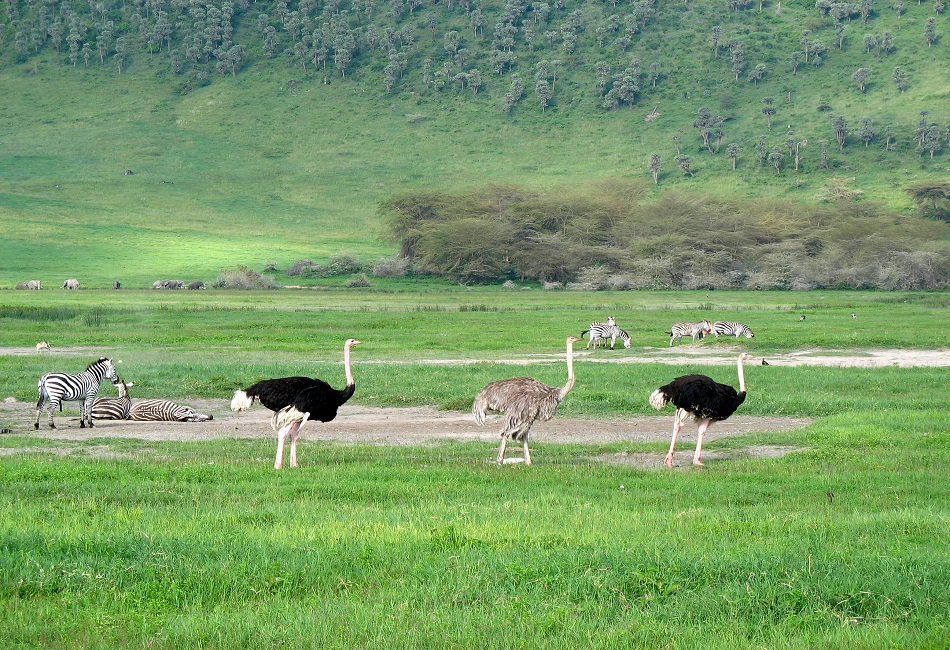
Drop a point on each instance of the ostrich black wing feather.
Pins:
(703, 397)
(275, 394)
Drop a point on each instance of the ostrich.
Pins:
(706, 400)
(523, 400)
(295, 400)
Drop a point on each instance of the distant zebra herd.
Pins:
(54, 388)
(604, 331)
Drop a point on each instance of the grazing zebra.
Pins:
(114, 408)
(731, 328)
(603, 332)
(54, 388)
(695, 330)
(599, 327)
(152, 410)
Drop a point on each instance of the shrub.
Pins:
(345, 265)
(359, 281)
(243, 278)
(298, 267)
(392, 267)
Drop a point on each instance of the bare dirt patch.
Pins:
(404, 427)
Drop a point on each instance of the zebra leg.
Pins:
(50, 407)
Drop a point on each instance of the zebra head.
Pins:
(123, 387)
(104, 369)
(188, 414)
(749, 333)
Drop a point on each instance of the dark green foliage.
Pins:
(678, 241)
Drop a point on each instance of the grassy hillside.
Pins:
(242, 169)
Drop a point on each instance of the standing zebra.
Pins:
(696, 331)
(161, 410)
(603, 332)
(731, 328)
(599, 328)
(114, 408)
(57, 387)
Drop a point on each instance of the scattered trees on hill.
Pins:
(611, 235)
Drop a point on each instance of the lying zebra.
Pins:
(161, 410)
(114, 408)
(695, 330)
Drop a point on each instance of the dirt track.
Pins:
(427, 426)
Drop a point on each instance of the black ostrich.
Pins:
(295, 400)
(699, 396)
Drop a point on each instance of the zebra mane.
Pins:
(102, 360)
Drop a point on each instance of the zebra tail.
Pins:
(584, 332)
(241, 401)
(658, 399)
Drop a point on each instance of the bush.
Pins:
(345, 265)
(298, 267)
(393, 267)
(359, 281)
(243, 278)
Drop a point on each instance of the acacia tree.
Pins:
(655, 168)
(900, 78)
(861, 76)
(685, 163)
(775, 158)
(930, 31)
(768, 110)
(733, 150)
(840, 125)
(543, 90)
(866, 130)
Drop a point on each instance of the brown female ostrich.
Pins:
(706, 400)
(295, 400)
(523, 400)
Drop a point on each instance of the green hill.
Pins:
(242, 151)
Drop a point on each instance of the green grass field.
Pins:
(125, 543)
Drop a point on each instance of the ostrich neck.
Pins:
(570, 372)
(346, 366)
(741, 377)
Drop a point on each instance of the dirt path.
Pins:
(408, 426)
(428, 426)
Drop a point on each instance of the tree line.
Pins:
(612, 235)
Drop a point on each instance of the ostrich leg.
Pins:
(677, 424)
(294, 435)
(527, 453)
(699, 441)
(281, 435)
(501, 450)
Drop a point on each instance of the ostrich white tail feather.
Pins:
(658, 399)
(240, 401)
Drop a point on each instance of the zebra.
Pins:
(153, 410)
(731, 328)
(114, 408)
(598, 326)
(54, 388)
(602, 332)
(695, 330)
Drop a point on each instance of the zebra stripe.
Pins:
(54, 388)
(153, 410)
(599, 327)
(602, 332)
(731, 328)
(696, 331)
(114, 408)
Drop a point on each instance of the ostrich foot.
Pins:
(698, 462)
(669, 460)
